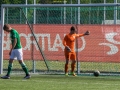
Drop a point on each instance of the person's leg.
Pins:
(66, 67)
(67, 55)
(7, 76)
(19, 55)
(9, 67)
(24, 67)
(12, 56)
(73, 63)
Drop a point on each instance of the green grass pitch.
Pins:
(60, 82)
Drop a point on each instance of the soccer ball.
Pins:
(96, 73)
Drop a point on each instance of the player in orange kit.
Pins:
(69, 43)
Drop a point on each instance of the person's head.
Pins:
(7, 28)
(72, 30)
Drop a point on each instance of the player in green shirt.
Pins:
(15, 52)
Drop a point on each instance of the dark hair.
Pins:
(72, 28)
(6, 26)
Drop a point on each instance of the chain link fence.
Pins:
(55, 2)
(63, 15)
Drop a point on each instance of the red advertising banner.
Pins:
(102, 45)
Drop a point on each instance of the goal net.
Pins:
(44, 27)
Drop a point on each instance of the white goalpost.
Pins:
(3, 6)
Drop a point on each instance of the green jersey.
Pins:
(14, 34)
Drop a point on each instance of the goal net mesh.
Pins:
(98, 51)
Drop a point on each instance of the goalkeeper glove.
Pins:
(68, 48)
(87, 33)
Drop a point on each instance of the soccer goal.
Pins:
(42, 28)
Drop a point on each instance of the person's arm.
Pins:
(80, 35)
(66, 47)
(13, 45)
(64, 43)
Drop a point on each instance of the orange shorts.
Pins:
(70, 55)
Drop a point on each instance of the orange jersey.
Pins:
(69, 40)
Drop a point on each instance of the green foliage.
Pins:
(90, 15)
(51, 1)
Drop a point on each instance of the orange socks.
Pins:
(66, 68)
(72, 67)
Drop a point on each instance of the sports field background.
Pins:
(101, 51)
(95, 52)
(98, 51)
(57, 68)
